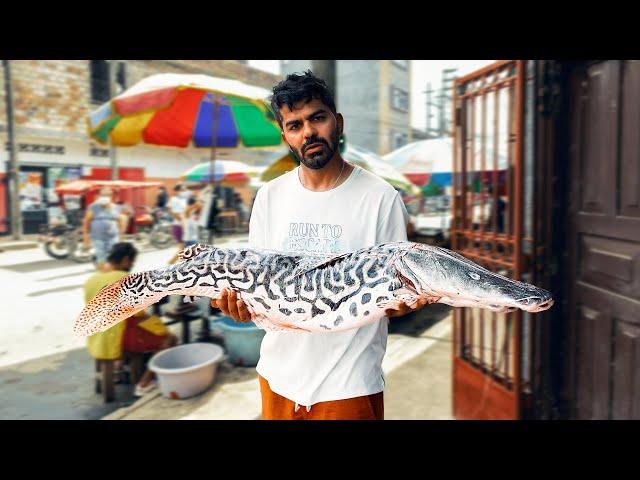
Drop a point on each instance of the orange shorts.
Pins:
(277, 407)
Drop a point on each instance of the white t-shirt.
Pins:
(361, 212)
(177, 205)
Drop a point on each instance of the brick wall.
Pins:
(54, 95)
(49, 94)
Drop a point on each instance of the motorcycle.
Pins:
(62, 239)
(161, 235)
(154, 226)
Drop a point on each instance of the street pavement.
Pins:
(45, 371)
(417, 369)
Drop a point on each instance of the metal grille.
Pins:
(487, 225)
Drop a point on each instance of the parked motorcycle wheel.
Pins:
(79, 253)
(160, 236)
(143, 235)
(83, 256)
(58, 248)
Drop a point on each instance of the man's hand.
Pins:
(403, 308)
(232, 307)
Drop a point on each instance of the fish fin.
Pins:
(287, 325)
(390, 304)
(306, 266)
(400, 297)
(193, 250)
(269, 325)
(408, 299)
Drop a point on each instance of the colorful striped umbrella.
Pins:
(228, 171)
(187, 110)
(376, 165)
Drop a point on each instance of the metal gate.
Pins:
(497, 198)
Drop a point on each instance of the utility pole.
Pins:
(429, 130)
(448, 77)
(428, 92)
(113, 71)
(12, 164)
(326, 70)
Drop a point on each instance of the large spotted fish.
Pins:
(313, 293)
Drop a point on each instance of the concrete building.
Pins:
(52, 99)
(373, 95)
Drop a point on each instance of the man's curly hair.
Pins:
(297, 87)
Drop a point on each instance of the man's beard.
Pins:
(320, 158)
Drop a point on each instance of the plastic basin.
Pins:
(186, 370)
(242, 340)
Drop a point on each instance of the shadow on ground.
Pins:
(58, 277)
(48, 291)
(56, 387)
(38, 266)
(414, 324)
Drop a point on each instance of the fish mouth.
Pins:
(535, 304)
(540, 306)
(528, 304)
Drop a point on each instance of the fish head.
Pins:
(458, 281)
(112, 304)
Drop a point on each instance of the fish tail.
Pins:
(115, 303)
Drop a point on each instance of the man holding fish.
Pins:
(325, 206)
(327, 265)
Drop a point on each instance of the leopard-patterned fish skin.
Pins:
(309, 293)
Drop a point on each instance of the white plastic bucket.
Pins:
(186, 370)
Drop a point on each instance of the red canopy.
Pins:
(82, 186)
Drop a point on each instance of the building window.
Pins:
(404, 64)
(399, 140)
(399, 99)
(121, 78)
(99, 81)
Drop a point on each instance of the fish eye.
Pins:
(474, 275)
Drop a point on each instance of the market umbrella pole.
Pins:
(212, 162)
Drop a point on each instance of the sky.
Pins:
(422, 71)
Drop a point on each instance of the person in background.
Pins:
(240, 207)
(191, 219)
(499, 208)
(163, 198)
(125, 213)
(177, 205)
(101, 226)
(209, 200)
(140, 333)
